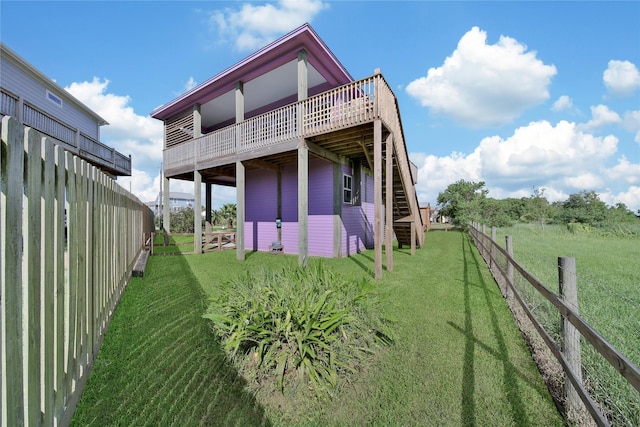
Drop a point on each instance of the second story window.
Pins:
(347, 188)
(53, 98)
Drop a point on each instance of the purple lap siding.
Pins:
(262, 210)
(357, 221)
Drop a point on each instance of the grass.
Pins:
(608, 295)
(457, 359)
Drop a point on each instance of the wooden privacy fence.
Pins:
(507, 272)
(69, 237)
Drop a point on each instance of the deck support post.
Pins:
(388, 244)
(166, 217)
(197, 212)
(413, 237)
(240, 209)
(207, 206)
(377, 196)
(303, 203)
(337, 211)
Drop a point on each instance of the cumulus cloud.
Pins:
(127, 132)
(251, 27)
(631, 123)
(561, 158)
(564, 103)
(621, 77)
(601, 116)
(484, 84)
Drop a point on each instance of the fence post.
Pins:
(570, 335)
(492, 250)
(484, 241)
(509, 244)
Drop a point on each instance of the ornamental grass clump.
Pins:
(297, 326)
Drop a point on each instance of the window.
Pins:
(51, 97)
(347, 188)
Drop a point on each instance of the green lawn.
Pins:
(458, 358)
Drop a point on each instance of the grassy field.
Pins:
(458, 358)
(608, 278)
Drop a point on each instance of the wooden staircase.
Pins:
(405, 208)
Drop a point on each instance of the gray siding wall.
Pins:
(33, 91)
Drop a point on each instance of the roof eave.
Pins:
(321, 57)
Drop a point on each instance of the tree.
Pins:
(539, 208)
(182, 220)
(584, 207)
(620, 213)
(462, 202)
(226, 215)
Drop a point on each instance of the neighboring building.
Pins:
(37, 101)
(176, 201)
(302, 142)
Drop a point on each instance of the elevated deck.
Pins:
(104, 157)
(339, 123)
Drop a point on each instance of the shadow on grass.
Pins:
(499, 351)
(355, 259)
(159, 363)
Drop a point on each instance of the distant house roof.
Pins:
(177, 195)
(46, 81)
(274, 67)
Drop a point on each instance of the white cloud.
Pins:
(563, 159)
(564, 103)
(252, 27)
(621, 77)
(629, 197)
(482, 84)
(625, 171)
(127, 132)
(631, 123)
(191, 83)
(601, 116)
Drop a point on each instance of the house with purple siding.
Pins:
(317, 158)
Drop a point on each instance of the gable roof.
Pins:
(325, 69)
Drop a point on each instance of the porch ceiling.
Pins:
(278, 86)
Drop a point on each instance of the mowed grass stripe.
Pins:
(457, 359)
(159, 364)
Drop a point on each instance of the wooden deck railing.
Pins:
(336, 109)
(68, 137)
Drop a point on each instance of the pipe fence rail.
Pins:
(69, 238)
(556, 320)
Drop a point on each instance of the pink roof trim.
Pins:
(268, 58)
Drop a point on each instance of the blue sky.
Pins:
(516, 94)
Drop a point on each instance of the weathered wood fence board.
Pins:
(69, 237)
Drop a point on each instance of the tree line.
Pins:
(466, 201)
(182, 218)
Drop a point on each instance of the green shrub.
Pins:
(297, 326)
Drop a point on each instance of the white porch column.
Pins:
(197, 212)
(303, 203)
(197, 121)
(240, 176)
(303, 85)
